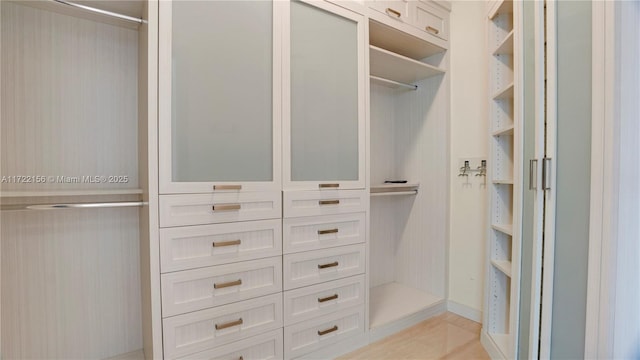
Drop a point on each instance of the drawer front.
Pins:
(314, 267)
(262, 347)
(200, 209)
(324, 202)
(192, 247)
(432, 19)
(323, 299)
(397, 10)
(308, 336)
(319, 232)
(203, 330)
(198, 289)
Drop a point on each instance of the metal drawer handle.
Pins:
(433, 30)
(394, 12)
(329, 231)
(227, 284)
(329, 202)
(225, 207)
(229, 324)
(227, 187)
(324, 332)
(226, 243)
(328, 298)
(324, 186)
(324, 266)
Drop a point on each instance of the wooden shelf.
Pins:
(387, 37)
(506, 93)
(394, 301)
(505, 229)
(394, 189)
(503, 265)
(389, 65)
(504, 6)
(506, 46)
(49, 193)
(503, 181)
(504, 131)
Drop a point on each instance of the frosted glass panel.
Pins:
(222, 91)
(324, 95)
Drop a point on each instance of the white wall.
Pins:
(469, 139)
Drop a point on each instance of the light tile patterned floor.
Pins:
(447, 336)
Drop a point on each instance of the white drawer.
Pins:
(197, 289)
(312, 335)
(398, 10)
(262, 347)
(313, 267)
(319, 232)
(320, 300)
(193, 332)
(191, 247)
(432, 19)
(324, 202)
(199, 209)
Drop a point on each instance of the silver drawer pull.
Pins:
(225, 207)
(324, 266)
(229, 324)
(226, 243)
(328, 298)
(324, 186)
(433, 30)
(227, 284)
(329, 202)
(227, 187)
(325, 332)
(329, 231)
(394, 12)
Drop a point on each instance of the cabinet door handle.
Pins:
(328, 298)
(229, 324)
(324, 266)
(328, 231)
(432, 30)
(393, 12)
(227, 284)
(226, 243)
(227, 187)
(324, 186)
(324, 332)
(225, 207)
(329, 202)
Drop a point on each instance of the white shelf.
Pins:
(504, 6)
(392, 66)
(394, 189)
(400, 42)
(506, 93)
(506, 46)
(394, 301)
(505, 131)
(48, 193)
(503, 181)
(506, 229)
(503, 265)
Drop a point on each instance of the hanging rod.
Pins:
(116, 204)
(393, 82)
(100, 11)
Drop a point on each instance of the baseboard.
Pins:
(464, 311)
(134, 355)
(401, 324)
(492, 349)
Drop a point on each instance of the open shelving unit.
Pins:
(388, 65)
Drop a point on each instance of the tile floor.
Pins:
(447, 336)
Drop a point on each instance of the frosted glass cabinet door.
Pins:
(325, 119)
(220, 104)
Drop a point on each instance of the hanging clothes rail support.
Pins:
(393, 82)
(101, 205)
(100, 11)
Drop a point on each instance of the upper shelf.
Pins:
(387, 37)
(392, 66)
(126, 13)
(506, 46)
(501, 7)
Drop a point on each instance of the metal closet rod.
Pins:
(409, 86)
(100, 11)
(97, 205)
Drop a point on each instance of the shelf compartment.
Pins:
(387, 37)
(503, 228)
(505, 93)
(394, 189)
(393, 301)
(392, 66)
(506, 46)
(504, 131)
(504, 6)
(503, 265)
(499, 302)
